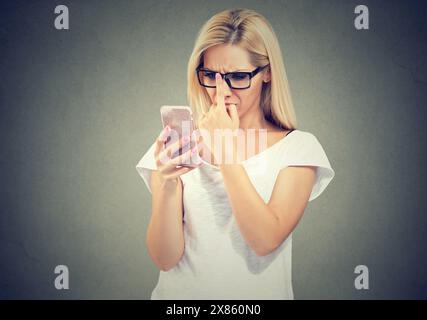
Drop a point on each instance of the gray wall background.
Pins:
(79, 108)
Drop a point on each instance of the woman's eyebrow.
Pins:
(207, 68)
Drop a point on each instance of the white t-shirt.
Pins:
(217, 263)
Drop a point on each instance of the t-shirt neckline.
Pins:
(256, 155)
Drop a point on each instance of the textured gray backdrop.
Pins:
(80, 107)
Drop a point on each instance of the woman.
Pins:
(223, 230)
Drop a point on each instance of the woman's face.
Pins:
(229, 58)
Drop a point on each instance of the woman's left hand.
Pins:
(221, 117)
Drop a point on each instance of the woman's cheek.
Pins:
(211, 94)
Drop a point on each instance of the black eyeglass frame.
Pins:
(225, 77)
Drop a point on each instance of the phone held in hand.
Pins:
(180, 121)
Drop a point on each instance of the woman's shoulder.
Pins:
(301, 144)
(289, 137)
(296, 141)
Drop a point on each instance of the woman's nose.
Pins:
(227, 89)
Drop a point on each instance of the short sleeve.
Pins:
(306, 150)
(146, 165)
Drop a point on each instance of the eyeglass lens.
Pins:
(237, 79)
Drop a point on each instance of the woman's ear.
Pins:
(266, 76)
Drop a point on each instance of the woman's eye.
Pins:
(210, 75)
(238, 76)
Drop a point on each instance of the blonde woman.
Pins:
(223, 230)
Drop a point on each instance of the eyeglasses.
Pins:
(235, 80)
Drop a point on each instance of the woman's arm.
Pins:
(265, 226)
(165, 234)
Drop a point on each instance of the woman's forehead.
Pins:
(227, 58)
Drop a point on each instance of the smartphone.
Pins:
(180, 120)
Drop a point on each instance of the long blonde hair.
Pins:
(251, 31)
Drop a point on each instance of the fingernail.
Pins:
(165, 134)
(165, 131)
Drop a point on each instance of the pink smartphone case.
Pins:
(180, 120)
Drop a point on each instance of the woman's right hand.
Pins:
(167, 167)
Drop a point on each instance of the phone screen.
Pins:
(179, 119)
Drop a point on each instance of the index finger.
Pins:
(219, 90)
